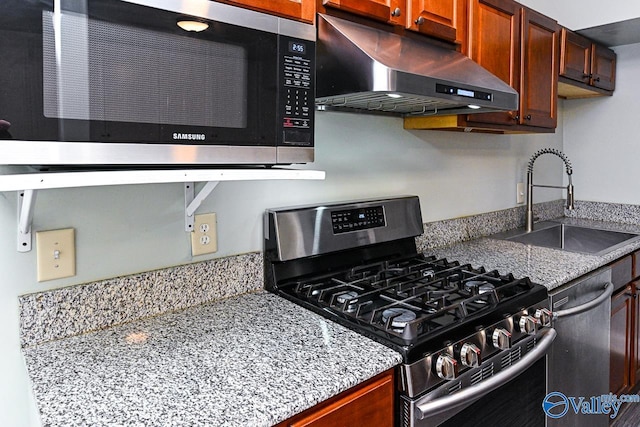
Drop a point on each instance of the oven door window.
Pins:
(112, 71)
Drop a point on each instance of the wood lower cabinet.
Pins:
(623, 305)
(586, 68)
(624, 373)
(302, 10)
(368, 404)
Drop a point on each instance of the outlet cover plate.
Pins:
(56, 254)
(204, 237)
(520, 193)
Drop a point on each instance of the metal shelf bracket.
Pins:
(26, 204)
(192, 201)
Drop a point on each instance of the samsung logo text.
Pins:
(190, 136)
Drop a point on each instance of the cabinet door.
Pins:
(539, 70)
(303, 10)
(635, 341)
(369, 404)
(495, 44)
(436, 18)
(603, 67)
(575, 56)
(392, 11)
(622, 306)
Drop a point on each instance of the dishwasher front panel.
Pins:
(578, 364)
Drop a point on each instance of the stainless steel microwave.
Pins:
(153, 82)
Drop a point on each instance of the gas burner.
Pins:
(399, 317)
(348, 300)
(478, 287)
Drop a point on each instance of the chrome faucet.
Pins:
(530, 184)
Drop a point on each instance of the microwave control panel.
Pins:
(297, 93)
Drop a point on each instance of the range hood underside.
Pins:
(405, 105)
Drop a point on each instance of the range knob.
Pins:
(544, 316)
(501, 339)
(470, 355)
(446, 367)
(528, 325)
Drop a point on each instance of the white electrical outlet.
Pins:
(56, 254)
(520, 192)
(204, 237)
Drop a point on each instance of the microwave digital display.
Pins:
(297, 47)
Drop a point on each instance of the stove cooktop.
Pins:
(413, 303)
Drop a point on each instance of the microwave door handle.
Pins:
(475, 392)
(608, 290)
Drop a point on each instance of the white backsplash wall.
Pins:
(127, 229)
(601, 137)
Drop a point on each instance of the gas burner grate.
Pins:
(411, 296)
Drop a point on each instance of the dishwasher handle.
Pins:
(608, 290)
(475, 392)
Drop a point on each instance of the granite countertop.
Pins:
(549, 267)
(251, 360)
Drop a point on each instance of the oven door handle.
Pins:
(608, 290)
(475, 392)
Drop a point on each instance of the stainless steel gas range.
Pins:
(473, 341)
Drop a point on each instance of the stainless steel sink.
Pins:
(572, 238)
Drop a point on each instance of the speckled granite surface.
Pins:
(73, 310)
(549, 267)
(447, 232)
(252, 360)
(615, 212)
(209, 365)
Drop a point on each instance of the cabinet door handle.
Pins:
(419, 21)
(528, 117)
(396, 12)
(597, 79)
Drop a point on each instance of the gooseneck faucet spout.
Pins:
(530, 184)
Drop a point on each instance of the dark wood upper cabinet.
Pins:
(587, 69)
(497, 49)
(603, 68)
(302, 10)
(539, 70)
(575, 58)
(520, 46)
(436, 18)
(389, 11)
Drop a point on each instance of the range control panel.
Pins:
(297, 94)
(357, 219)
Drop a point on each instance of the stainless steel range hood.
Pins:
(362, 69)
